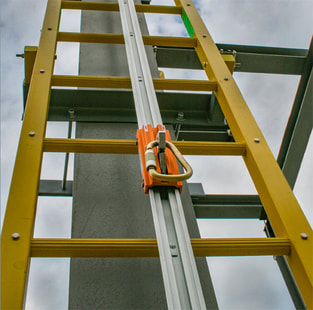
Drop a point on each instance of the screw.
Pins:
(304, 236)
(15, 236)
(256, 140)
(31, 133)
(42, 71)
(49, 28)
(204, 35)
(226, 78)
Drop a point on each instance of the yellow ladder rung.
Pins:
(125, 83)
(130, 147)
(109, 38)
(148, 247)
(113, 7)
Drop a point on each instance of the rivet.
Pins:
(42, 71)
(256, 140)
(304, 236)
(204, 35)
(226, 78)
(188, 4)
(31, 133)
(15, 236)
(204, 64)
(49, 28)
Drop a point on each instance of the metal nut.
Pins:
(15, 236)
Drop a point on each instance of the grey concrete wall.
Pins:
(109, 202)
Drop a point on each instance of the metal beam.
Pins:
(258, 59)
(228, 206)
(299, 125)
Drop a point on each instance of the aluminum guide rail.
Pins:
(180, 276)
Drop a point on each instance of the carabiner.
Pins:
(151, 165)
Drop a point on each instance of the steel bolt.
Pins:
(42, 71)
(49, 28)
(304, 236)
(15, 236)
(204, 35)
(31, 133)
(188, 4)
(256, 140)
(180, 116)
(226, 78)
(204, 64)
(71, 113)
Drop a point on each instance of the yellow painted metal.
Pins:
(130, 147)
(100, 6)
(280, 204)
(90, 146)
(29, 60)
(21, 207)
(149, 248)
(109, 38)
(125, 83)
(230, 61)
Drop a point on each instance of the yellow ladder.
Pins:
(294, 235)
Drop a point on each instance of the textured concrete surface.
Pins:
(109, 202)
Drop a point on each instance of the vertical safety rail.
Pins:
(280, 204)
(180, 276)
(21, 208)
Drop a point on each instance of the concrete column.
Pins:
(109, 202)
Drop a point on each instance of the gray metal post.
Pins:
(108, 201)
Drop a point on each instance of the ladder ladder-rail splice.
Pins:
(17, 243)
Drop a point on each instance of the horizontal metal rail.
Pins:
(125, 83)
(149, 248)
(130, 147)
(113, 7)
(109, 38)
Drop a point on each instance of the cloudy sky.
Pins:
(252, 22)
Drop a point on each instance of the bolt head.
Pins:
(15, 236)
(49, 28)
(42, 71)
(204, 35)
(204, 64)
(304, 236)
(31, 133)
(188, 4)
(256, 140)
(225, 78)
